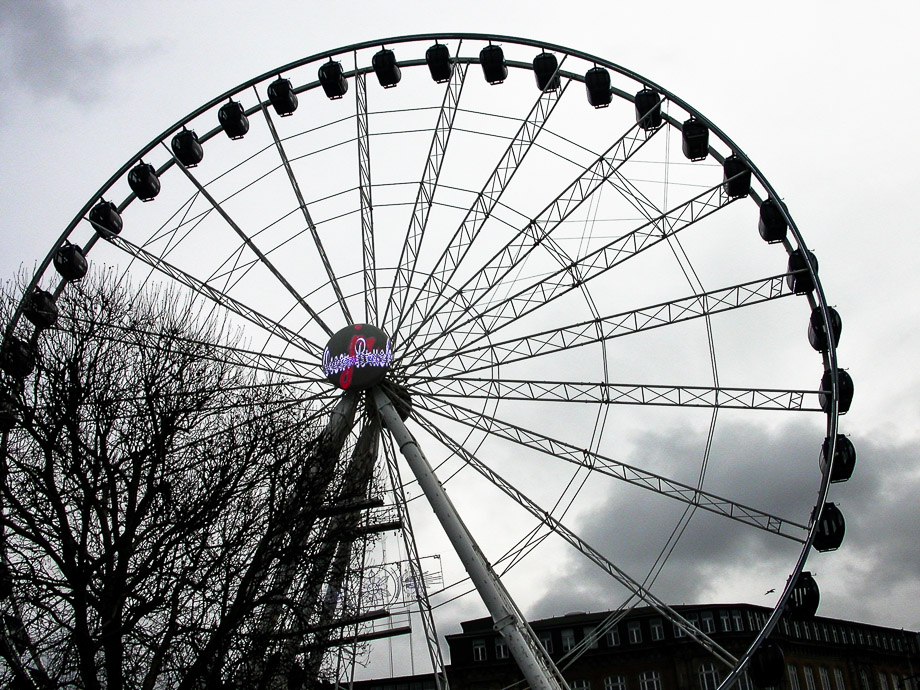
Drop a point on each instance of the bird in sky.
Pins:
(769, 591)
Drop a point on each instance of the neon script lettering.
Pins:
(360, 354)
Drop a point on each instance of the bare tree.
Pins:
(163, 506)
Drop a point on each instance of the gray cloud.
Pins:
(45, 53)
(719, 560)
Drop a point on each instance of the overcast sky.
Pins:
(820, 95)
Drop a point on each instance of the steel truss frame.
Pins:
(453, 331)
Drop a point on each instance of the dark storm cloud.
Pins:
(43, 51)
(719, 558)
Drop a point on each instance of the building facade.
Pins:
(644, 651)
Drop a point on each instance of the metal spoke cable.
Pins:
(630, 474)
(295, 186)
(466, 360)
(614, 571)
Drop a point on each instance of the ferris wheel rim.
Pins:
(818, 300)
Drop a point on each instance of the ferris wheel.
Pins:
(553, 292)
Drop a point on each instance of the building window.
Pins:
(882, 681)
(615, 683)
(709, 676)
(679, 631)
(807, 631)
(795, 627)
(479, 650)
(635, 632)
(588, 633)
(547, 641)
(657, 628)
(501, 649)
(693, 620)
(726, 619)
(838, 680)
(793, 677)
(739, 622)
(649, 680)
(581, 685)
(613, 637)
(709, 624)
(568, 639)
(834, 634)
(809, 678)
(864, 681)
(825, 678)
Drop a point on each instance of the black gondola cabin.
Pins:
(17, 358)
(737, 176)
(844, 462)
(817, 332)
(386, 69)
(187, 149)
(282, 97)
(332, 79)
(648, 109)
(492, 59)
(545, 67)
(437, 57)
(105, 218)
(233, 120)
(143, 181)
(799, 279)
(695, 139)
(40, 309)
(772, 224)
(70, 262)
(597, 86)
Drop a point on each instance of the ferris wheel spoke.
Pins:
(302, 204)
(367, 205)
(538, 232)
(684, 493)
(254, 360)
(252, 245)
(547, 289)
(619, 393)
(393, 313)
(218, 297)
(420, 309)
(578, 543)
(471, 358)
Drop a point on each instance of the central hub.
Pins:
(357, 357)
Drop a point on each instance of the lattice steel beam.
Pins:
(483, 205)
(424, 199)
(613, 468)
(367, 205)
(218, 297)
(619, 393)
(538, 232)
(589, 267)
(321, 250)
(578, 543)
(474, 358)
(253, 247)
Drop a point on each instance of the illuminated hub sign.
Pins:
(357, 357)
